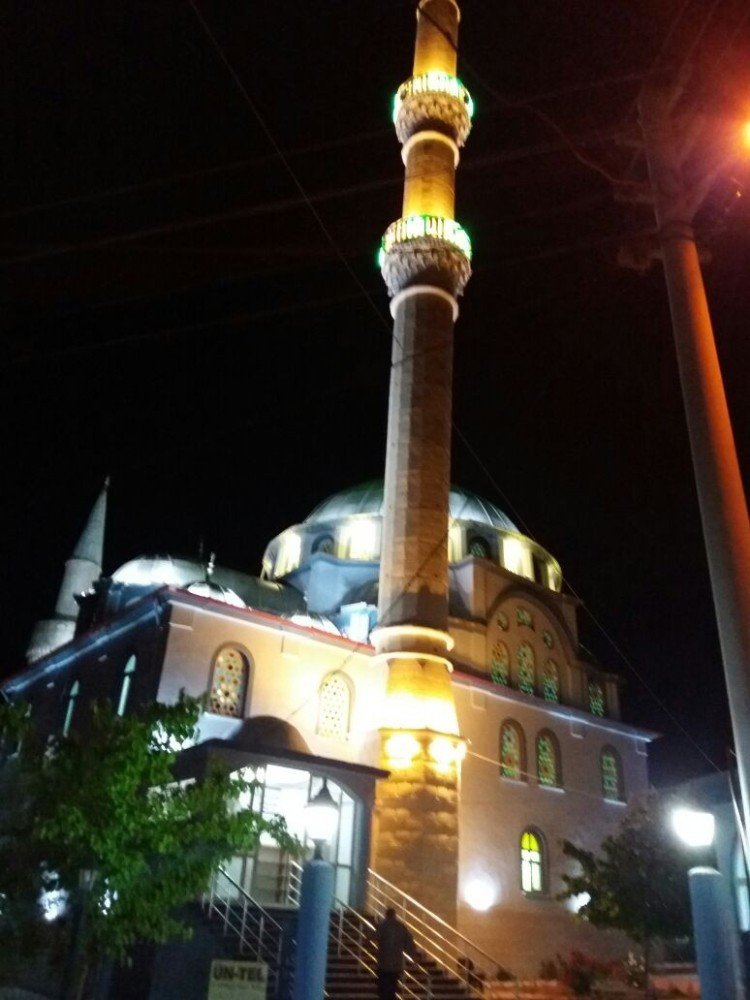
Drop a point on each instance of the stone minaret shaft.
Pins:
(425, 261)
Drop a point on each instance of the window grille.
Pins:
(334, 707)
(611, 775)
(547, 761)
(551, 681)
(596, 698)
(127, 679)
(512, 762)
(71, 707)
(229, 683)
(526, 668)
(500, 663)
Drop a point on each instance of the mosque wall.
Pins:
(517, 925)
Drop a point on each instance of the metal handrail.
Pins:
(459, 956)
(258, 932)
(423, 992)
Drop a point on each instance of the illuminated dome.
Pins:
(159, 571)
(367, 498)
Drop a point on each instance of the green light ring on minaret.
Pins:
(433, 82)
(419, 227)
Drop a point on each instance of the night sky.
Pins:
(174, 316)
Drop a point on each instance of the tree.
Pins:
(105, 799)
(638, 883)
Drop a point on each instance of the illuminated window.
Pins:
(547, 638)
(512, 751)
(358, 539)
(551, 681)
(524, 617)
(229, 683)
(741, 890)
(612, 785)
(517, 557)
(526, 668)
(71, 707)
(532, 862)
(500, 663)
(548, 760)
(479, 548)
(596, 698)
(127, 678)
(334, 707)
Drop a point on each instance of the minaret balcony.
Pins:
(433, 100)
(425, 248)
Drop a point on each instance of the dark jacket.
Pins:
(393, 939)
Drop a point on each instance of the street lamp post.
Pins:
(712, 928)
(721, 496)
(316, 900)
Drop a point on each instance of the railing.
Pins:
(455, 954)
(259, 935)
(353, 935)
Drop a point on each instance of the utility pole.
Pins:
(669, 145)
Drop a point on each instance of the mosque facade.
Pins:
(405, 641)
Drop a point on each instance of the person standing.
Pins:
(394, 939)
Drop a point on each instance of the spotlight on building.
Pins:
(480, 894)
(693, 827)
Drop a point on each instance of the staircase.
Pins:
(445, 965)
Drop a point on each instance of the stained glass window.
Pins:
(611, 775)
(479, 548)
(596, 698)
(532, 862)
(500, 663)
(502, 620)
(71, 707)
(334, 704)
(127, 679)
(523, 617)
(229, 683)
(551, 681)
(512, 762)
(547, 760)
(526, 668)
(548, 638)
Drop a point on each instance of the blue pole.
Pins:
(714, 935)
(316, 900)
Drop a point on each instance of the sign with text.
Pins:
(237, 980)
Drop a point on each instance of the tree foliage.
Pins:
(105, 798)
(638, 883)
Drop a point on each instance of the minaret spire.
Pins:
(425, 261)
(81, 570)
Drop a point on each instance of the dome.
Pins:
(215, 592)
(159, 571)
(367, 498)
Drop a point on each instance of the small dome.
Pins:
(215, 592)
(367, 498)
(159, 571)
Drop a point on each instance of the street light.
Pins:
(315, 899)
(321, 818)
(712, 929)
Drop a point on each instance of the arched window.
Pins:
(532, 862)
(548, 769)
(334, 706)
(596, 698)
(740, 886)
(512, 751)
(526, 668)
(500, 663)
(611, 768)
(127, 678)
(75, 690)
(551, 681)
(479, 547)
(229, 683)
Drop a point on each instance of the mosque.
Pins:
(405, 641)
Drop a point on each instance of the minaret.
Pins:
(425, 261)
(81, 570)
